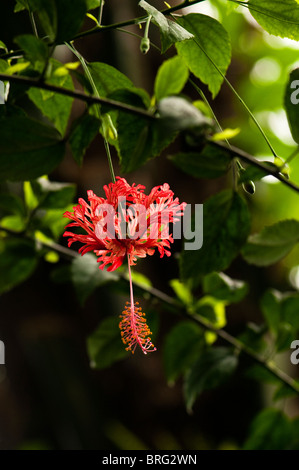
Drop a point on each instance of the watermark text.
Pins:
(2, 353)
(157, 222)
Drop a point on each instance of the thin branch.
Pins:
(102, 28)
(18, 54)
(97, 94)
(77, 95)
(101, 11)
(206, 101)
(138, 36)
(234, 151)
(246, 157)
(141, 19)
(194, 39)
(33, 24)
(62, 250)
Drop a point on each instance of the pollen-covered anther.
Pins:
(134, 330)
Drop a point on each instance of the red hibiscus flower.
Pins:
(127, 223)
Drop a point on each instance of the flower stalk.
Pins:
(134, 329)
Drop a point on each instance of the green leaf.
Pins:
(28, 148)
(176, 33)
(207, 163)
(211, 44)
(92, 4)
(3, 46)
(226, 226)
(52, 195)
(221, 286)
(182, 346)
(261, 374)
(171, 78)
(226, 134)
(182, 291)
(12, 203)
(211, 370)
(285, 336)
(252, 173)
(290, 309)
(211, 309)
(108, 79)
(139, 139)
(3, 66)
(83, 131)
(47, 15)
(276, 17)
(70, 17)
(51, 222)
(31, 200)
(140, 279)
(178, 114)
(19, 66)
(252, 336)
(283, 392)
(87, 276)
(158, 17)
(270, 305)
(13, 222)
(60, 19)
(281, 313)
(134, 141)
(170, 31)
(35, 50)
(20, 5)
(104, 345)
(291, 102)
(272, 244)
(270, 430)
(18, 260)
(54, 106)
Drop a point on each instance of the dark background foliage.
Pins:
(50, 396)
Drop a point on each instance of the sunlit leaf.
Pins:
(108, 79)
(35, 50)
(276, 17)
(171, 78)
(211, 43)
(182, 291)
